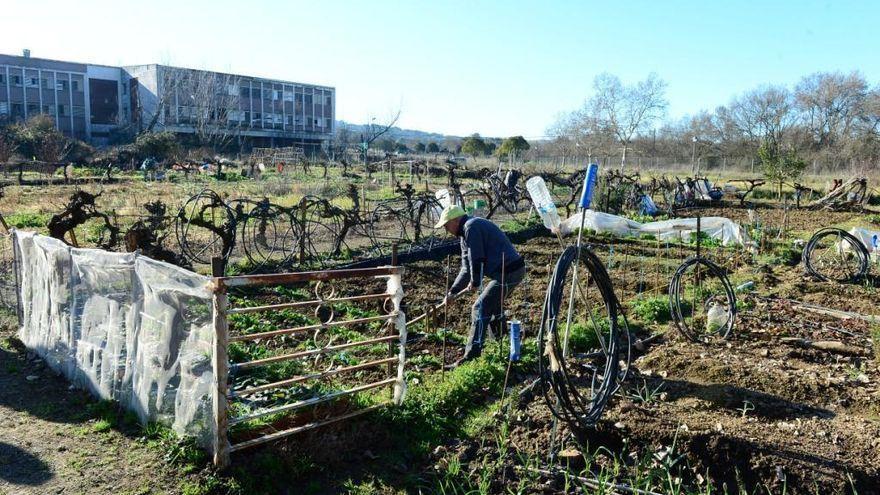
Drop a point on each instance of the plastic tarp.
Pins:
(870, 238)
(720, 228)
(124, 327)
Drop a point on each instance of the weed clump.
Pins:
(652, 309)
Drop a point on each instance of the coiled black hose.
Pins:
(711, 270)
(857, 249)
(558, 374)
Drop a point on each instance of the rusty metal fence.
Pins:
(372, 372)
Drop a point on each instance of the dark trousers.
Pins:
(488, 306)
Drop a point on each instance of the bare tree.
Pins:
(765, 113)
(831, 103)
(374, 131)
(209, 102)
(626, 110)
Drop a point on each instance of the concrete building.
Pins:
(91, 102)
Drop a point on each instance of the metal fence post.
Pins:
(221, 372)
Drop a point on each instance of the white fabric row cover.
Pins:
(125, 327)
(723, 229)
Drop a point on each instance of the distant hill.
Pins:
(396, 133)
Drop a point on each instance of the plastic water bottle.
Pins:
(589, 185)
(543, 202)
(515, 339)
(443, 197)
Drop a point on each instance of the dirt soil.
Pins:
(770, 407)
(764, 409)
(51, 442)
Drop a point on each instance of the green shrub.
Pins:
(159, 145)
(652, 309)
(28, 220)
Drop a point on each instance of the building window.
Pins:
(33, 82)
(62, 110)
(61, 85)
(2, 78)
(48, 109)
(33, 109)
(78, 111)
(255, 93)
(4, 108)
(17, 110)
(244, 92)
(16, 80)
(74, 85)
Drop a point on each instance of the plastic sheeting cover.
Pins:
(723, 229)
(870, 238)
(122, 326)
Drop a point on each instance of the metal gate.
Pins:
(391, 332)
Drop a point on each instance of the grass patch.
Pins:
(28, 220)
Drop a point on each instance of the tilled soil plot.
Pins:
(790, 400)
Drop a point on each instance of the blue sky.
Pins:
(498, 68)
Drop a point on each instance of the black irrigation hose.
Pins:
(566, 402)
(859, 249)
(675, 303)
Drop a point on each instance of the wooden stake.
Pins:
(221, 372)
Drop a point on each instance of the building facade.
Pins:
(91, 102)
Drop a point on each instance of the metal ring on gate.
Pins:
(324, 313)
(324, 297)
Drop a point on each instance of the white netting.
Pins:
(122, 326)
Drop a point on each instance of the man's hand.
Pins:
(453, 296)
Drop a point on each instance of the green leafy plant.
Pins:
(652, 309)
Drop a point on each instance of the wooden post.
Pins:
(391, 326)
(220, 363)
(218, 266)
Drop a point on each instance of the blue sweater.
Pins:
(482, 242)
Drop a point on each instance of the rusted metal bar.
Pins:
(317, 326)
(311, 402)
(299, 429)
(312, 352)
(221, 371)
(305, 304)
(289, 278)
(303, 378)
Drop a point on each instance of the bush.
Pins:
(38, 138)
(160, 145)
(27, 220)
(652, 309)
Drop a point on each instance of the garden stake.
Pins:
(445, 322)
(574, 283)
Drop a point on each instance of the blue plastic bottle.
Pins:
(589, 185)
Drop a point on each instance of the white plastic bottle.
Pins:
(543, 202)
